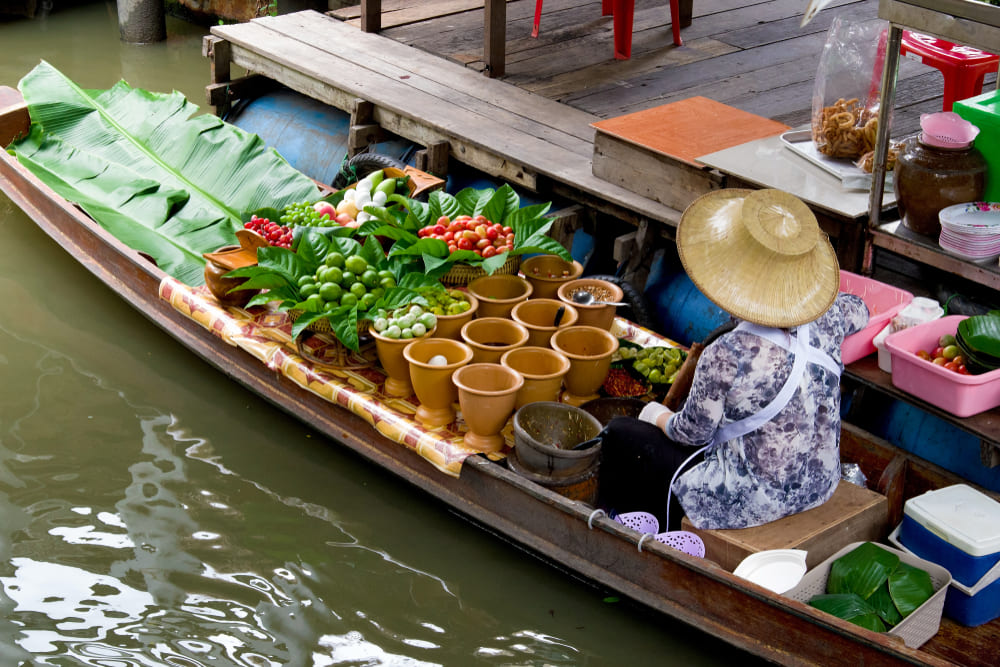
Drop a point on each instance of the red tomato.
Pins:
(440, 228)
(938, 352)
(448, 236)
(940, 361)
(452, 247)
(951, 366)
(481, 219)
(507, 230)
(925, 355)
(483, 243)
(489, 251)
(464, 244)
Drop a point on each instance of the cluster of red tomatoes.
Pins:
(947, 354)
(276, 234)
(477, 234)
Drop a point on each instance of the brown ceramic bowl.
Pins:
(395, 365)
(499, 293)
(490, 337)
(589, 350)
(543, 369)
(487, 394)
(538, 316)
(594, 315)
(432, 381)
(547, 273)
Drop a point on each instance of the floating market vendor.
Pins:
(758, 437)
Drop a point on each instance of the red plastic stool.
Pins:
(623, 12)
(963, 67)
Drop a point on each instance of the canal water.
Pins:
(153, 512)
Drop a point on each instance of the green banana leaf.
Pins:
(160, 179)
(982, 333)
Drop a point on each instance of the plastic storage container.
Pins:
(983, 111)
(961, 395)
(957, 527)
(922, 624)
(883, 301)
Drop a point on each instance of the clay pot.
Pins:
(594, 315)
(487, 394)
(450, 326)
(542, 368)
(499, 293)
(395, 365)
(589, 350)
(547, 273)
(219, 286)
(490, 337)
(432, 382)
(538, 317)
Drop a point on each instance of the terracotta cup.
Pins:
(543, 370)
(547, 273)
(490, 337)
(487, 394)
(594, 315)
(538, 316)
(450, 326)
(589, 350)
(395, 365)
(220, 286)
(432, 381)
(499, 293)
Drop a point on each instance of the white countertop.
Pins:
(770, 163)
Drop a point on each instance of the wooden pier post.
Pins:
(142, 21)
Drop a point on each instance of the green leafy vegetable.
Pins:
(160, 179)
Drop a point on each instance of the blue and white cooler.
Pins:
(958, 528)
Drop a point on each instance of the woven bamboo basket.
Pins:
(337, 354)
(462, 274)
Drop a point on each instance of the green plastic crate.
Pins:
(983, 111)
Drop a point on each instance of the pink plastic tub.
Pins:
(883, 301)
(961, 395)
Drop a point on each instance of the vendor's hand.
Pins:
(656, 413)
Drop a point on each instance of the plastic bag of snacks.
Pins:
(847, 89)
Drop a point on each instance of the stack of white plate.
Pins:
(971, 230)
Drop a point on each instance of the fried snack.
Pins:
(867, 161)
(845, 129)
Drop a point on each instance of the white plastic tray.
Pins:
(851, 176)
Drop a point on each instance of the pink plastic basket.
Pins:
(961, 395)
(883, 301)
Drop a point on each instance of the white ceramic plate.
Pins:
(979, 218)
(778, 570)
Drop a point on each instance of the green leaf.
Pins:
(982, 333)
(881, 601)
(910, 587)
(160, 179)
(344, 321)
(861, 570)
(849, 607)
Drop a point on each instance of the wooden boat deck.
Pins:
(749, 54)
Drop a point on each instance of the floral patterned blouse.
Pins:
(791, 463)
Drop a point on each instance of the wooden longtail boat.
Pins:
(562, 531)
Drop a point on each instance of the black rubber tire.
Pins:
(638, 309)
(361, 165)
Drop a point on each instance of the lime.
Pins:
(335, 258)
(356, 263)
(306, 279)
(314, 303)
(369, 278)
(386, 273)
(331, 291)
(386, 283)
(348, 300)
(308, 290)
(331, 274)
(348, 278)
(358, 290)
(367, 301)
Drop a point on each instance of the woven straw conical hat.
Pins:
(759, 255)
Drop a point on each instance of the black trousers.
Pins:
(637, 464)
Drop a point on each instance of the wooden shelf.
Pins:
(896, 238)
(985, 425)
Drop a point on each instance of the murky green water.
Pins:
(152, 512)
